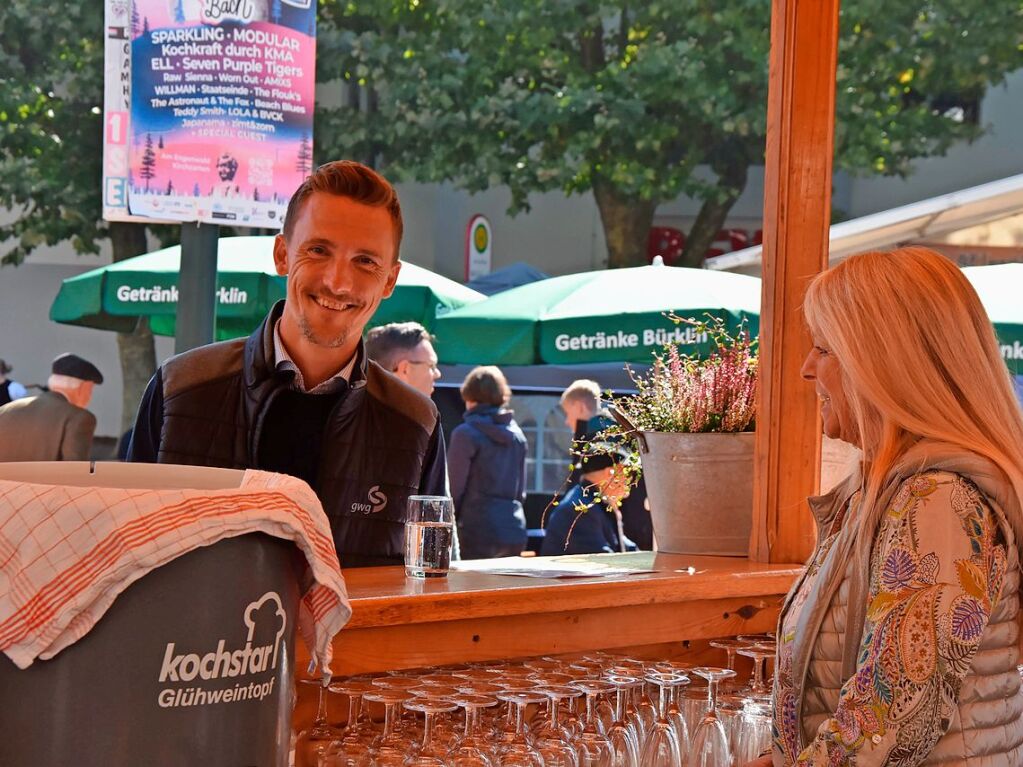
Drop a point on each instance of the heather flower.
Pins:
(683, 393)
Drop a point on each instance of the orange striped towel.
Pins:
(66, 553)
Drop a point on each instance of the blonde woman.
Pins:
(899, 644)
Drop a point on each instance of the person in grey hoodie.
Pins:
(487, 466)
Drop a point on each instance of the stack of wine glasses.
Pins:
(593, 710)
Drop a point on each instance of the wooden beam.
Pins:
(797, 214)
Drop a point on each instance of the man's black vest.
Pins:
(215, 399)
(5, 394)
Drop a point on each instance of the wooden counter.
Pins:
(399, 622)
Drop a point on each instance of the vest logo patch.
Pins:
(377, 501)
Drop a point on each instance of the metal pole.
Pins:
(197, 286)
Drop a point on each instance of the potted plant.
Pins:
(690, 428)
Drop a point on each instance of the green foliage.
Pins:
(574, 95)
(51, 77)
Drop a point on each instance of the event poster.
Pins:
(116, 111)
(221, 108)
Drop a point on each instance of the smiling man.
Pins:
(300, 396)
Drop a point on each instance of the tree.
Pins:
(51, 131)
(179, 11)
(639, 102)
(148, 169)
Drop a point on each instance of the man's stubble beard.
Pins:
(310, 335)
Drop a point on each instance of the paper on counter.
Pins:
(576, 566)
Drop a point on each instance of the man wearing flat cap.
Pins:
(53, 426)
(589, 519)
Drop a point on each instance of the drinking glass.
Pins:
(710, 740)
(391, 746)
(352, 748)
(729, 646)
(311, 742)
(662, 748)
(622, 733)
(593, 746)
(759, 653)
(473, 748)
(429, 531)
(753, 731)
(518, 751)
(552, 735)
(430, 753)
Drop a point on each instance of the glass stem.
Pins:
(758, 673)
(620, 694)
(520, 718)
(354, 709)
(664, 690)
(427, 730)
(321, 706)
(471, 720)
(712, 696)
(389, 719)
(555, 711)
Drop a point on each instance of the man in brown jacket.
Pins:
(53, 426)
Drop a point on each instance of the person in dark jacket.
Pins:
(586, 417)
(300, 396)
(487, 461)
(588, 520)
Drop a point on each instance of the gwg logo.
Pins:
(377, 502)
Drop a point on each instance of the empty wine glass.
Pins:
(552, 734)
(430, 753)
(662, 748)
(622, 733)
(391, 746)
(729, 646)
(518, 751)
(473, 748)
(710, 740)
(593, 746)
(311, 742)
(753, 730)
(759, 653)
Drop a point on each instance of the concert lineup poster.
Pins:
(221, 124)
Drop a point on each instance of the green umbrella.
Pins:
(1000, 287)
(606, 316)
(114, 297)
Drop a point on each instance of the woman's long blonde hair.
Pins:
(920, 360)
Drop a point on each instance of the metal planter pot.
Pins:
(700, 488)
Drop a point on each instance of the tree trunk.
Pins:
(626, 223)
(137, 350)
(731, 181)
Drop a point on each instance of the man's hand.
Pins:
(764, 761)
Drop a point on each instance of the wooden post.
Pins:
(797, 214)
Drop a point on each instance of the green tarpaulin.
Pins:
(605, 316)
(114, 297)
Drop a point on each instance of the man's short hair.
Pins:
(353, 180)
(585, 391)
(387, 345)
(486, 385)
